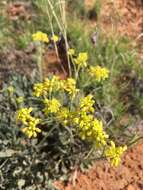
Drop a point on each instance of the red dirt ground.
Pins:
(128, 176)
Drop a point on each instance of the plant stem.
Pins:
(45, 137)
(64, 24)
(53, 33)
(40, 48)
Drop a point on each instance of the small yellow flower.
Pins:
(49, 85)
(69, 86)
(53, 84)
(71, 52)
(90, 129)
(31, 130)
(63, 115)
(55, 38)
(51, 106)
(98, 133)
(114, 153)
(86, 104)
(40, 36)
(38, 89)
(81, 60)
(30, 122)
(20, 99)
(23, 115)
(99, 73)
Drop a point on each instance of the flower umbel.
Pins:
(38, 89)
(86, 104)
(114, 153)
(64, 115)
(32, 129)
(30, 122)
(90, 129)
(49, 85)
(51, 106)
(71, 52)
(81, 60)
(69, 86)
(55, 38)
(40, 36)
(23, 115)
(100, 73)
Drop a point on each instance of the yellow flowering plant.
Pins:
(40, 36)
(64, 116)
(56, 125)
(61, 105)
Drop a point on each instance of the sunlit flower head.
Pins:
(82, 59)
(38, 89)
(64, 115)
(71, 52)
(51, 106)
(100, 73)
(40, 36)
(114, 153)
(31, 129)
(55, 38)
(23, 115)
(69, 86)
(86, 103)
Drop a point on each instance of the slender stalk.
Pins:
(40, 48)
(64, 24)
(46, 136)
(54, 14)
(53, 33)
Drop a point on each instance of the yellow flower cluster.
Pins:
(69, 86)
(90, 129)
(40, 36)
(51, 106)
(55, 84)
(30, 122)
(114, 153)
(55, 38)
(71, 52)
(86, 104)
(42, 89)
(99, 73)
(64, 116)
(81, 60)
(39, 90)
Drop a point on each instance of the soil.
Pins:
(128, 176)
